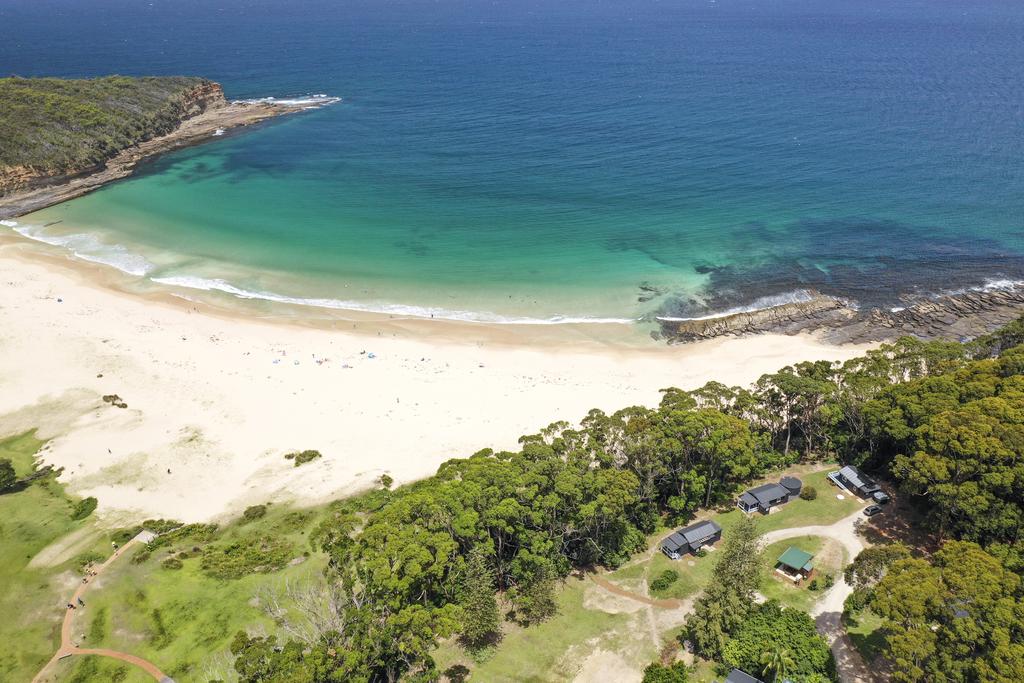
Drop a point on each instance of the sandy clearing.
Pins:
(214, 400)
(64, 548)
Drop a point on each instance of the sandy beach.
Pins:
(215, 399)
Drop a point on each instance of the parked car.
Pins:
(880, 497)
(872, 510)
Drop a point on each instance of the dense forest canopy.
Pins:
(58, 125)
(944, 421)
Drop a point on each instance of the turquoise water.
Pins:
(528, 161)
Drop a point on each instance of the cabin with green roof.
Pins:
(795, 564)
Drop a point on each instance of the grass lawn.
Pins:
(32, 598)
(553, 650)
(824, 510)
(865, 629)
(828, 559)
(694, 572)
(183, 620)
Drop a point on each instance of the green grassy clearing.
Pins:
(183, 619)
(828, 559)
(865, 629)
(694, 572)
(554, 650)
(31, 519)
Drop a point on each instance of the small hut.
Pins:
(795, 564)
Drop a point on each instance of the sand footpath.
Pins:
(214, 401)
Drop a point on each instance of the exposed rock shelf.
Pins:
(961, 315)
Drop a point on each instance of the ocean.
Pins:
(579, 161)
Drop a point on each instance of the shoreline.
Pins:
(216, 395)
(215, 121)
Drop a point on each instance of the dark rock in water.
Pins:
(958, 316)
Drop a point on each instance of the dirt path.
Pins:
(828, 612)
(618, 590)
(69, 648)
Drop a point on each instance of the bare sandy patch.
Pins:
(65, 548)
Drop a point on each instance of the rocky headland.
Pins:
(192, 115)
(959, 315)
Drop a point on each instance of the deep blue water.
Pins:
(534, 158)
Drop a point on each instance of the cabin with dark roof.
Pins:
(766, 496)
(855, 481)
(737, 676)
(691, 539)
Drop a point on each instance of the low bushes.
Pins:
(808, 493)
(254, 555)
(84, 508)
(664, 580)
(302, 457)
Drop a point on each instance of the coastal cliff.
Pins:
(61, 138)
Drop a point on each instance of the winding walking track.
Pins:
(67, 646)
(827, 612)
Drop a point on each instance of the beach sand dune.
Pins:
(213, 401)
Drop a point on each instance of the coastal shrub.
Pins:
(664, 580)
(160, 526)
(141, 556)
(63, 125)
(87, 558)
(8, 477)
(115, 400)
(857, 600)
(159, 636)
(191, 532)
(98, 627)
(253, 555)
(84, 508)
(701, 552)
(808, 493)
(122, 536)
(254, 512)
(172, 563)
(302, 457)
(677, 672)
(828, 581)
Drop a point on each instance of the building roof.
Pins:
(792, 484)
(748, 499)
(674, 542)
(699, 531)
(796, 559)
(765, 494)
(856, 479)
(737, 676)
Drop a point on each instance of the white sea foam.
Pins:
(312, 101)
(88, 248)
(763, 303)
(9, 224)
(216, 284)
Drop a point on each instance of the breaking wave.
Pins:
(759, 304)
(216, 284)
(311, 101)
(88, 248)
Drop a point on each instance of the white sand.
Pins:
(207, 401)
